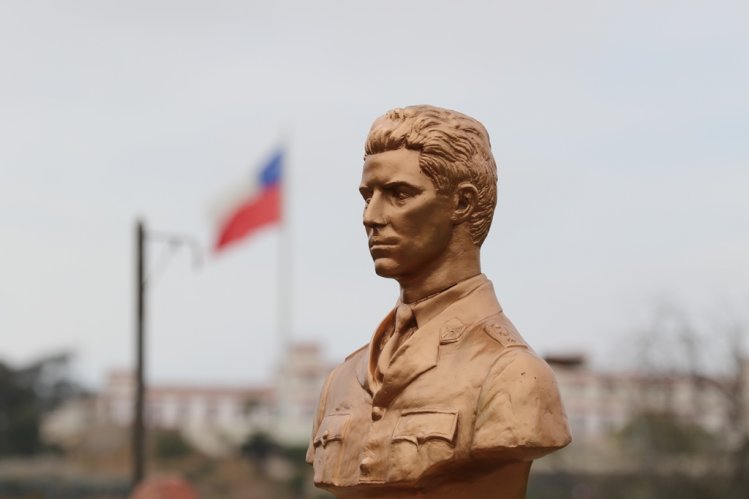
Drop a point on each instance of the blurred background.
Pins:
(619, 247)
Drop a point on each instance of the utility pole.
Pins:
(142, 280)
(139, 429)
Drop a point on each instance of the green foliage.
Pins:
(631, 486)
(25, 395)
(295, 454)
(170, 445)
(259, 446)
(662, 433)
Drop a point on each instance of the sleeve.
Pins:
(319, 414)
(519, 414)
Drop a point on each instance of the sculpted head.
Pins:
(430, 187)
(453, 148)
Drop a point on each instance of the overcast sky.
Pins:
(620, 130)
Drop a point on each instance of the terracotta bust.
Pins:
(446, 400)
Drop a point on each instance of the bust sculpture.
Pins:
(446, 400)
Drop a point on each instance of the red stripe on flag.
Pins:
(252, 215)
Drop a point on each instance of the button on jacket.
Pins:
(462, 394)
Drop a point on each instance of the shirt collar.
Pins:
(428, 308)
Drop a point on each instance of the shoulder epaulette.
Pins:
(502, 334)
(451, 331)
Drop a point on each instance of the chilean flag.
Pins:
(254, 204)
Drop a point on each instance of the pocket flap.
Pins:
(332, 427)
(419, 426)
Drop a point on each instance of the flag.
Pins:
(253, 204)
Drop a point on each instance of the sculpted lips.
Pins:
(377, 244)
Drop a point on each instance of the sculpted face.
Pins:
(409, 224)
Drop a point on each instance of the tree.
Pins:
(259, 447)
(169, 444)
(694, 378)
(26, 394)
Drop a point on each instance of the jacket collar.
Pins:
(465, 303)
(427, 309)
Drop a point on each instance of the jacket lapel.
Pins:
(420, 352)
(366, 368)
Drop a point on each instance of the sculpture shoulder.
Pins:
(519, 406)
(510, 356)
(357, 353)
(353, 367)
(494, 337)
(501, 331)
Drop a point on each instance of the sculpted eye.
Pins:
(366, 196)
(401, 194)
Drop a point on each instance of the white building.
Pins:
(599, 403)
(215, 419)
(297, 386)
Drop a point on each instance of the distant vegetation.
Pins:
(26, 394)
(170, 445)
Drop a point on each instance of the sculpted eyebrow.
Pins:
(398, 184)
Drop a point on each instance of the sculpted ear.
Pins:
(465, 198)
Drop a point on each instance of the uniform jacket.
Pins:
(464, 398)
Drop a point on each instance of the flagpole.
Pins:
(283, 305)
(284, 298)
(286, 257)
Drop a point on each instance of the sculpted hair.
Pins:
(453, 148)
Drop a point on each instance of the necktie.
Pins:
(404, 322)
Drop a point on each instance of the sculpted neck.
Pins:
(451, 268)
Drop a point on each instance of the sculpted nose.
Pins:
(373, 213)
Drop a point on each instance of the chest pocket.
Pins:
(329, 450)
(422, 440)
(332, 428)
(419, 426)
